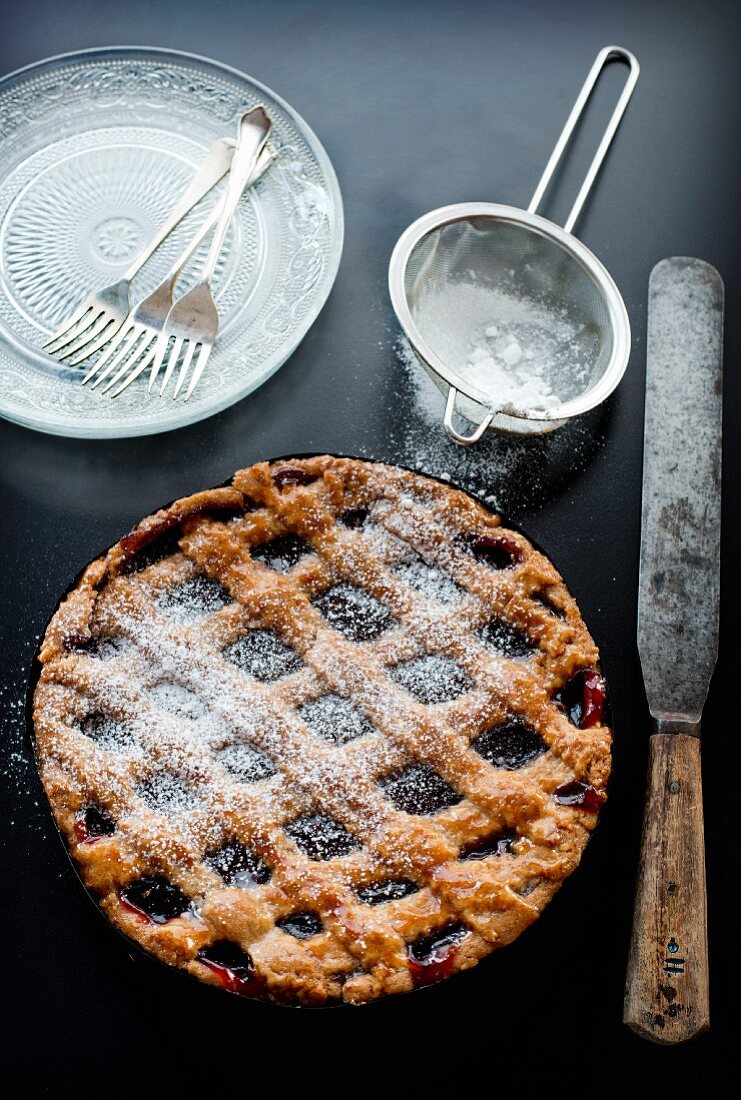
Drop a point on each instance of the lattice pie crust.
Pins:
(324, 734)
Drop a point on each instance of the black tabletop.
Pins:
(419, 103)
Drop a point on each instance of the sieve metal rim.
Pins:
(575, 249)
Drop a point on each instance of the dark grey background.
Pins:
(418, 104)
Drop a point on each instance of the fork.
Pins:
(193, 321)
(133, 347)
(103, 312)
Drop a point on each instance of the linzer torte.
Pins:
(328, 733)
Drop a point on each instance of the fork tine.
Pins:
(99, 325)
(117, 340)
(108, 333)
(163, 341)
(124, 349)
(73, 332)
(67, 324)
(172, 360)
(201, 363)
(141, 366)
(192, 344)
(128, 362)
(85, 331)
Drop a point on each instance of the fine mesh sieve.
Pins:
(464, 271)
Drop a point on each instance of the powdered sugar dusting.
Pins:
(432, 679)
(175, 699)
(107, 649)
(110, 734)
(432, 583)
(210, 715)
(382, 542)
(17, 766)
(246, 762)
(194, 599)
(354, 612)
(335, 719)
(263, 655)
(320, 837)
(166, 793)
(524, 356)
(236, 717)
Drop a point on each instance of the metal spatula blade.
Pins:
(666, 997)
(679, 588)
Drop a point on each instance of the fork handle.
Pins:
(265, 159)
(254, 129)
(212, 168)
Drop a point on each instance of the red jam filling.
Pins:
(439, 965)
(579, 794)
(286, 476)
(495, 549)
(354, 517)
(154, 899)
(432, 958)
(140, 538)
(232, 966)
(93, 824)
(595, 695)
(498, 844)
(584, 698)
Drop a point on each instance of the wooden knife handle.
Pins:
(666, 988)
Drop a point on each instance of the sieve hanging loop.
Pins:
(455, 435)
(607, 54)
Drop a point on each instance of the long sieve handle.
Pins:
(609, 53)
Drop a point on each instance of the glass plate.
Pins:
(95, 148)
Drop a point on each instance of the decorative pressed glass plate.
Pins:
(95, 149)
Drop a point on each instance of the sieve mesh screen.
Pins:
(487, 274)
